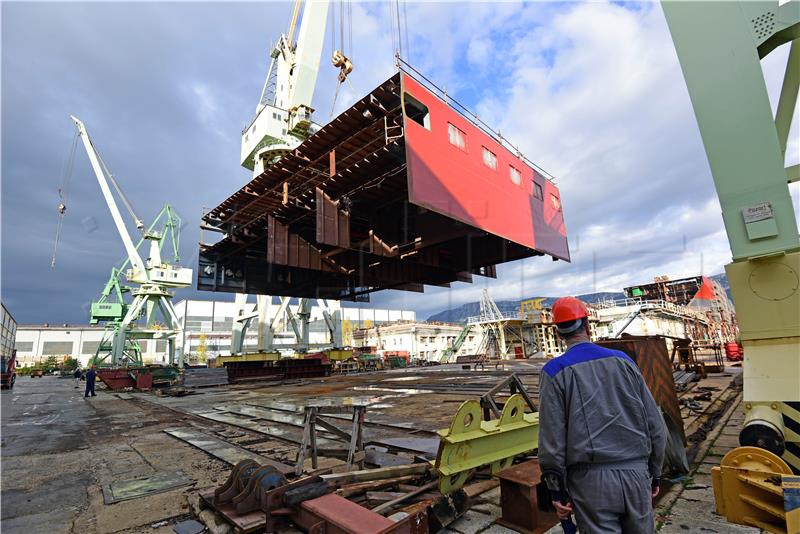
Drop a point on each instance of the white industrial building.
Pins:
(206, 323)
(426, 341)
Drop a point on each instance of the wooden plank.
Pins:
(475, 489)
(388, 505)
(361, 487)
(367, 475)
(383, 496)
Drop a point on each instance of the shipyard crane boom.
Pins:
(282, 122)
(139, 271)
(283, 114)
(154, 277)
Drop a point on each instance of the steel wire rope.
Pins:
(63, 194)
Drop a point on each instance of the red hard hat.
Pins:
(568, 309)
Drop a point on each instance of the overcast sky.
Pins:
(591, 92)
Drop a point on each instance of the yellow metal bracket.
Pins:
(471, 443)
(755, 487)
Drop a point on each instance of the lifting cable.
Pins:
(63, 195)
(136, 220)
(405, 29)
(350, 53)
(345, 27)
(393, 32)
(399, 28)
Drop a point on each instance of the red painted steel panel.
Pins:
(346, 516)
(457, 183)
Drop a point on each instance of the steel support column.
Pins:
(719, 45)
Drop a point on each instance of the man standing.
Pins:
(77, 375)
(91, 374)
(600, 431)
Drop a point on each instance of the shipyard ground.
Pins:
(59, 449)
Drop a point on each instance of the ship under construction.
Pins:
(401, 190)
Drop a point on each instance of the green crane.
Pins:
(152, 280)
(454, 348)
(720, 45)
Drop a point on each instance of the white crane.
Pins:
(283, 114)
(154, 277)
(282, 122)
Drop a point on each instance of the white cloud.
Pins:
(206, 103)
(594, 93)
(479, 51)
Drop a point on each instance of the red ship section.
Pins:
(400, 191)
(477, 180)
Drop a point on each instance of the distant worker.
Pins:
(601, 434)
(91, 375)
(77, 375)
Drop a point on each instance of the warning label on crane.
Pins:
(757, 212)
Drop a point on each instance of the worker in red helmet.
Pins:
(601, 434)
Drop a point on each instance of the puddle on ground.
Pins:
(401, 379)
(403, 391)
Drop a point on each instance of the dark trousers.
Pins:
(89, 388)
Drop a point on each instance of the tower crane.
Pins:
(283, 120)
(154, 278)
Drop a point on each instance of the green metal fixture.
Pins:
(720, 45)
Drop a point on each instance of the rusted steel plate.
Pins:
(345, 516)
(225, 451)
(124, 490)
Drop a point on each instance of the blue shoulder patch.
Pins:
(583, 352)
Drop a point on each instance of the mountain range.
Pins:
(460, 314)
